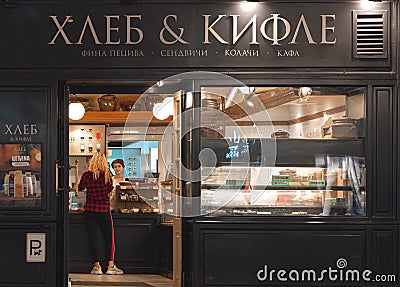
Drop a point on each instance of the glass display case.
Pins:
(145, 195)
(139, 196)
(338, 190)
(284, 151)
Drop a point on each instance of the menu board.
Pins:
(20, 175)
(85, 140)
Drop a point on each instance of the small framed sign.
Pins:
(36, 247)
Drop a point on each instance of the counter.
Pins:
(139, 241)
(230, 249)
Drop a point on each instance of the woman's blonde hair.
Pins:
(98, 164)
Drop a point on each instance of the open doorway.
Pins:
(142, 230)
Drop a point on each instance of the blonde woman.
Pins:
(97, 181)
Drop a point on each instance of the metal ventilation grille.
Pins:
(369, 34)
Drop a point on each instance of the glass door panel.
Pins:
(317, 166)
(27, 152)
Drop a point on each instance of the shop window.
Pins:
(297, 151)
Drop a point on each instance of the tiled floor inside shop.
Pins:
(129, 280)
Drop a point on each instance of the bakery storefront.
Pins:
(259, 139)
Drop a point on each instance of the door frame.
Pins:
(63, 184)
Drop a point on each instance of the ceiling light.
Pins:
(248, 5)
(304, 93)
(76, 111)
(370, 4)
(249, 97)
(246, 90)
(165, 109)
(189, 100)
(250, 103)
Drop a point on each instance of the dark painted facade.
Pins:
(46, 46)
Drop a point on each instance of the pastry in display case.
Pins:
(130, 200)
(287, 191)
(144, 195)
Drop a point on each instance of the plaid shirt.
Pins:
(97, 192)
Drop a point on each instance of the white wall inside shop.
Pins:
(296, 110)
(140, 134)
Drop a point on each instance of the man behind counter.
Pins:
(118, 166)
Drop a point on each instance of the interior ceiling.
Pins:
(270, 97)
(124, 86)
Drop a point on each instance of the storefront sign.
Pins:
(134, 35)
(20, 132)
(24, 119)
(181, 35)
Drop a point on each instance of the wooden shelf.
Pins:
(139, 117)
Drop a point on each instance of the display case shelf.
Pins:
(290, 152)
(272, 187)
(338, 189)
(280, 211)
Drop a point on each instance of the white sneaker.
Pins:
(114, 271)
(96, 270)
